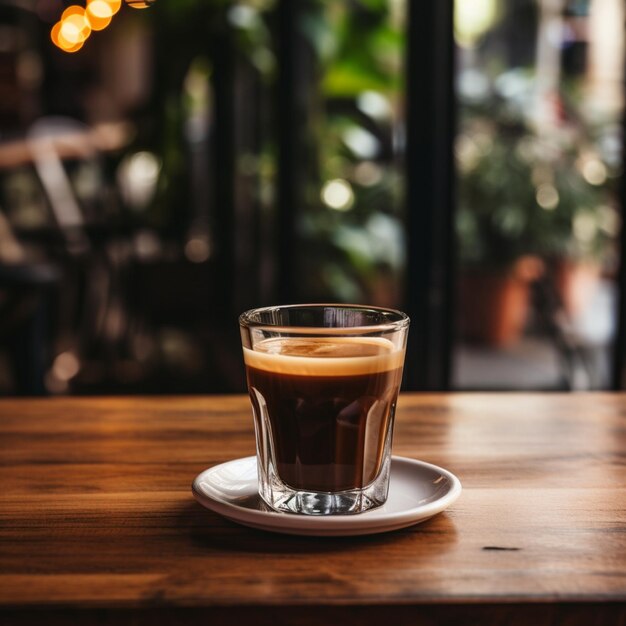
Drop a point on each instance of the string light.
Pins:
(140, 4)
(75, 29)
(60, 42)
(99, 14)
(115, 5)
(74, 9)
(76, 23)
(56, 34)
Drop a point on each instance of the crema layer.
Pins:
(325, 356)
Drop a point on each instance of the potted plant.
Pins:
(529, 198)
(579, 224)
(495, 222)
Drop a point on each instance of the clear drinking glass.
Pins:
(324, 381)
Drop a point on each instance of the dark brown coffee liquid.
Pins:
(328, 432)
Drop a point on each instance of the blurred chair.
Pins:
(56, 148)
(57, 144)
(50, 139)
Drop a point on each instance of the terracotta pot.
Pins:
(493, 306)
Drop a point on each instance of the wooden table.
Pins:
(98, 525)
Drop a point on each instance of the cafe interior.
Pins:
(183, 162)
(166, 165)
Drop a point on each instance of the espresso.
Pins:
(327, 407)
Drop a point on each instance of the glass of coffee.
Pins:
(323, 381)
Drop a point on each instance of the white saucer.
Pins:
(417, 491)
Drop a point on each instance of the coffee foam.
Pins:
(325, 356)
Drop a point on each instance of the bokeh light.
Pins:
(198, 249)
(115, 5)
(547, 197)
(337, 194)
(594, 172)
(368, 173)
(99, 14)
(60, 42)
(139, 4)
(75, 29)
(77, 23)
(75, 26)
(138, 176)
(472, 18)
(585, 227)
(66, 365)
(74, 9)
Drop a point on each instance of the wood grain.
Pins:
(97, 517)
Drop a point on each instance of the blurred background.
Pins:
(166, 165)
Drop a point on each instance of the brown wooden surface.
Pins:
(97, 518)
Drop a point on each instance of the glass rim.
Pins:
(402, 319)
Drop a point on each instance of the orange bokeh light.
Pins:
(75, 9)
(75, 28)
(139, 4)
(75, 48)
(99, 14)
(76, 22)
(60, 42)
(115, 5)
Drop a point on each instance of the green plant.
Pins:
(524, 193)
(351, 225)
